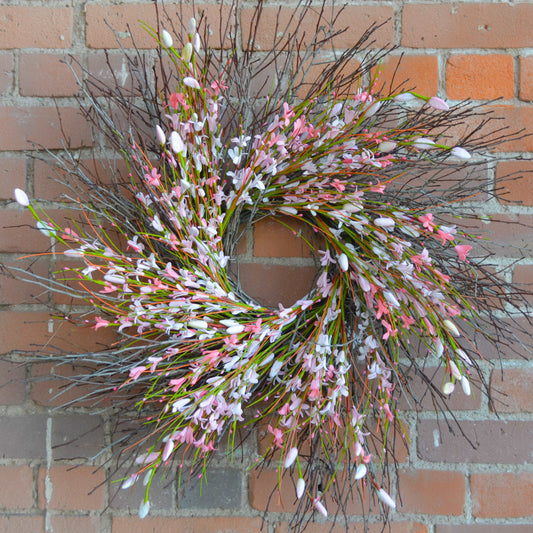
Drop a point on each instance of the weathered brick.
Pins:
(26, 331)
(18, 232)
(12, 382)
(392, 527)
(76, 436)
(356, 19)
(514, 182)
(21, 127)
(73, 488)
(272, 284)
(432, 492)
(16, 489)
(411, 71)
(19, 524)
(47, 75)
(496, 441)
(220, 524)
(512, 394)
(284, 236)
(35, 27)
(480, 77)
(16, 286)
(480, 25)
(523, 281)
(526, 78)
(502, 495)
(78, 524)
(23, 437)
(221, 488)
(6, 73)
(124, 21)
(483, 528)
(12, 175)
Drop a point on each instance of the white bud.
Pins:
(291, 457)
(404, 97)
(167, 38)
(197, 324)
(300, 487)
(191, 26)
(460, 153)
(454, 370)
(21, 197)
(423, 143)
(451, 327)
(176, 143)
(360, 472)
(196, 43)
(186, 53)
(438, 103)
(466, 386)
(343, 262)
(386, 146)
(448, 388)
(386, 499)
(144, 509)
(160, 134)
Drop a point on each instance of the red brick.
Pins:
(6, 73)
(284, 236)
(220, 524)
(526, 78)
(479, 25)
(21, 524)
(47, 75)
(35, 27)
(17, 288)
(12, 175)
(523, 280)
(12, 382)
(23, 437)
(123, 19)
(109, 69)
(502, 495)
(76, 436)
(496, 441)
(77, 524)
(25, 331)
(415, 72)
(18, 232)
(72, 488)
(392, 527)
(432, 492)
(272, 284)
(514, 182)
(504, 235)
(21, 127)
(16, 489)
(513, 393)
(357, 19)
(483, 528)
(480, 77)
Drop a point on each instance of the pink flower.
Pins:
(462, 251)
(100, 323)
(136, 371)
(427, 221)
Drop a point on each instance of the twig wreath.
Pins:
(210, 150)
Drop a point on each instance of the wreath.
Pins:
(197, 357)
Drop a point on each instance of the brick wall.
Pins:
(478, 50)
